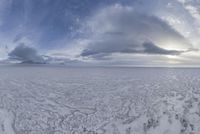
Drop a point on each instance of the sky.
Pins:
(101, 32)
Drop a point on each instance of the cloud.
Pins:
(25, 54)
(151, 48)
(120, 29)
(29, 55)
(147, 48)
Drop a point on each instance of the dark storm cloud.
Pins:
(25, 54)
(119, 29)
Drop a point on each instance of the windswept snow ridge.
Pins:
(58, 100)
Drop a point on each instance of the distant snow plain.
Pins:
(92, 100)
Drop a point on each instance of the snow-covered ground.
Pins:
(61, 100)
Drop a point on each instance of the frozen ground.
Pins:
(58, 100)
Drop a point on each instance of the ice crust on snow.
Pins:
(60, 100)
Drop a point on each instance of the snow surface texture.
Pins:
(58, 100)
